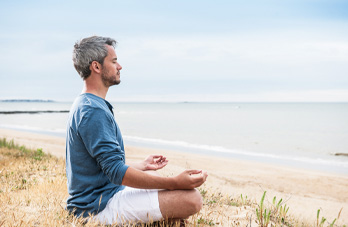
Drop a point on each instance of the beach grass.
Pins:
(34, 190)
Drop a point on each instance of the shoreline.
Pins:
(317, 164)
(305, 191)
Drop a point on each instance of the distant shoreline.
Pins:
(34, 111)
(179, 102)
(25, 100)
(309, 164)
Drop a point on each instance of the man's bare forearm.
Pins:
(139, 179)
(188, 179)
(137, 165)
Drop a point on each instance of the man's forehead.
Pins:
(111, 52)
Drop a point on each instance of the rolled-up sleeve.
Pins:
(98, 130)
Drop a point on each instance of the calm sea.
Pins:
(304, 135)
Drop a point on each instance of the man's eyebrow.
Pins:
(114, 59)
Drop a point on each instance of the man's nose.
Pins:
(119, 67)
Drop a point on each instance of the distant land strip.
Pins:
(34, 111)
(341, 154)
(26, 100)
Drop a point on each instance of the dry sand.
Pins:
(305, 191)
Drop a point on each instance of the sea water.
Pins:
(304, 135)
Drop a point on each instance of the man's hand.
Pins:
(190, 179)
(155, 162)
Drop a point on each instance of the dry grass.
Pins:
(33, 193)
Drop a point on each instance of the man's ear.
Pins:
(95, 67)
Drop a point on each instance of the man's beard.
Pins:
(109, 80)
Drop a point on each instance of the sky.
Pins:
(170, 51)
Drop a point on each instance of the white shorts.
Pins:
(131, 205)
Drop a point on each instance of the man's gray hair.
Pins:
(88, 50)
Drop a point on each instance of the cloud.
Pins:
(245, 56)
(226, 50)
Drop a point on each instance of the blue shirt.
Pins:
(95, 158)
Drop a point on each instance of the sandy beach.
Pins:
(304, 191)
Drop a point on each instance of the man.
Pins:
(99, 181)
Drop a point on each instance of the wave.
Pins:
(34, 129)
(220, 149)
(184, 146)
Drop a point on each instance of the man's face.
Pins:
(111, 68)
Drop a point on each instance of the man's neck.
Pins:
(98, 91)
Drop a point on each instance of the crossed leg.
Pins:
(179, 204)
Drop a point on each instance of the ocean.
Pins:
(301, 135)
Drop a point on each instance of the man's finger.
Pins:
(157, 156)
(160, 161)
(193, 171)
(200, 178)
(205, 175)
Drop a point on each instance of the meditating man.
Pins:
(100, 183)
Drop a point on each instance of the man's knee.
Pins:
(181, 203)
(196, 201)
(192, 201)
